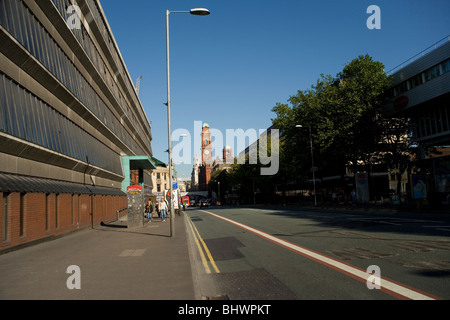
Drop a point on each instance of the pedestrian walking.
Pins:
(149, 209)
(353, 195)
(157, 208)
(162, 209)
(334, 197)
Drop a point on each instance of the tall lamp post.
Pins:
(312, 160)
(198, 12)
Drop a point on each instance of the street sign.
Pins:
(175, 185)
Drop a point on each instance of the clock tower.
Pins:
(206, 146)
(207, 159)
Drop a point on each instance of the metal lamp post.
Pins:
(312, 161)
(198, 12)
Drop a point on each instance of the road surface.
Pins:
(283, 254)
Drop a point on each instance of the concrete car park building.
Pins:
(73, 132)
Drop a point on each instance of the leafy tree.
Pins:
(345, 114)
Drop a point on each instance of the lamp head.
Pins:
(200, 11)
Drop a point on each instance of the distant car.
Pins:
(204, 203)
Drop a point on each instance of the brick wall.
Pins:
(28, 217)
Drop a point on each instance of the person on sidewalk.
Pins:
(162, 209)
(150, 208)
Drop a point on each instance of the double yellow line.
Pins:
(199, 242)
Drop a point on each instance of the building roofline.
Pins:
(420, 55)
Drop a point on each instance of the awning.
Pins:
(141, 162)
(19, 183)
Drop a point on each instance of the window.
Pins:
(26, 115)
(20, 111)
(401, 88)
(2, 103)
(446, 66)
(2, 21)
(432, 73)
(12, 123)
(416, 81)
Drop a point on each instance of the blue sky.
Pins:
(230, 68)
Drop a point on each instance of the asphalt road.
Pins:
(282, 254)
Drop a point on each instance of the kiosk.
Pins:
(136, 207)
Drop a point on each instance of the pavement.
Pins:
(111, 262)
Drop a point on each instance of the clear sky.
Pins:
(230, 68)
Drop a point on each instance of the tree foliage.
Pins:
(349, 127)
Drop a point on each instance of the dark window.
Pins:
(446, 66)
(416, 81)
(432, 73)
(2, 104)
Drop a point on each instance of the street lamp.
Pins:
(198, 12)
(312, 160)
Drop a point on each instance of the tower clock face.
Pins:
(206, 152)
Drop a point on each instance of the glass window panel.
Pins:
(44, 45)
(41, 138)
(36, 38)
(19, 111)
(62, 71)
(57, 130)
(77, 142)
(432, 73)
(16, 19)
(11, 109)
(67, 137)
(38, 114)
(52, 129)
(446, 66)
(51, 58)
(2, 101)
(432, 116)
(26, 114)
(439, 119)
(10, 6)
(31, 33)
(32, 109)
(48, 125)
(48, 43)
(2, 9)
(40, 41)
(444, 118)
(61, 133)
(41, 123)
(22, 12)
